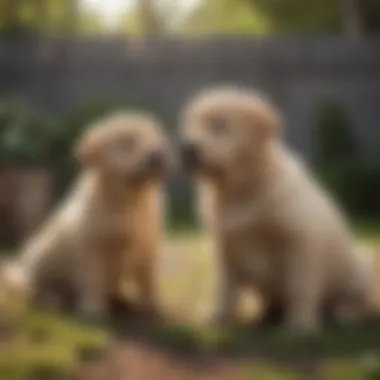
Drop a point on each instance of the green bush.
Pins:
(353, 179)
(181, 208)
(334, 136)
(356, 184)
(27, 135)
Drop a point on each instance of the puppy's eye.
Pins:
(127, 144)
(218, 126)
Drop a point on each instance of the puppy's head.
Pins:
(133, 147)
(223, 130)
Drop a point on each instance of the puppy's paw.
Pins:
(272, 317)
(119, 306)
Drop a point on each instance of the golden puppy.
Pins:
(110, 219)
(275, 229)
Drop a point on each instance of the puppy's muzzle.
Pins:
(190, 156)
(155, 161)
(156, 164)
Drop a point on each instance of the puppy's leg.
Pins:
(92, 285)
(273, 315)
(227, 297)
(145, 278)
(114, 266)
(302, 288)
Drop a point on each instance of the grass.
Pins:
(48, 346)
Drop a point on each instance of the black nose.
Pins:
(155, 161)
(190, 155)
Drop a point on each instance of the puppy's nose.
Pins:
(155, 161)
(190, 154)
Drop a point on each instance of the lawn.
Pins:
(43, 345)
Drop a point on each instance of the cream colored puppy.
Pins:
(274, 227)
(110, 220)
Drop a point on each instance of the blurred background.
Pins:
(64, 63)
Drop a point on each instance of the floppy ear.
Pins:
(265, 120)
(87, 149)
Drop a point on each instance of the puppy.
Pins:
(110, 221)
(274, 227)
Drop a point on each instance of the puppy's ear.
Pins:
(265, 120)
(87, 149)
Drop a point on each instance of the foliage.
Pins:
(322, 16)
(47, 16)
(225, 17)
(356, 184)
(181, 205)
(354, 179)
(152, 18)
(26, 134)
(294, 16)
(334, 137)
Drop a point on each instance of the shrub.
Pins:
(334, 137)
(356, 184)
(26, 134)
(354, 180)
(180, 206)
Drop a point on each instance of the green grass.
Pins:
(50, 344)
(46, 345)
(369, 232)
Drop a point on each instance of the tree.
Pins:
(90, 22)
(46, 16)
(225, 17)
(150, 18)
(351, 18)
(348, 17)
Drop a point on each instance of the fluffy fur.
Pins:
(275, 228)
(110, 222)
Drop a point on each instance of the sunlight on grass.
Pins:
(46, 345)
(369, 233)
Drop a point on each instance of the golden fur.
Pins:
(111, 220)
(274, 227)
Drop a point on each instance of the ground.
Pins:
(44, 346)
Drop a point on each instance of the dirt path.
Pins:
(130, 360)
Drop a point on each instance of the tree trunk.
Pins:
(351, 18)
(149, 17)
(10, 10)
(70, 17)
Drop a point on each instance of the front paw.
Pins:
(119, 306)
